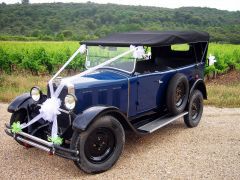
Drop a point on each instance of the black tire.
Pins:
(177, 94)
(100, 145)
(195, 109)
(20, 116)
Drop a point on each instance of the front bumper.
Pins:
(49, 147)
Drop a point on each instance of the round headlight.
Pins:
(35, 93)
(70, 102)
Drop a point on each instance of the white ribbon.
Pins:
(24, 125)
(50, 108)
(138, 52)
(212, 60)
(48, 111)
(83, 48)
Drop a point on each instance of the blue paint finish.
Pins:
(192, 72)
(102, 96)
(146, 91)
(152, 90)
(105, 87)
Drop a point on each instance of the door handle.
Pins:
(158, 81)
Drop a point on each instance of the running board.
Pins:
(159, 123)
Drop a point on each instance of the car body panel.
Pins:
(105, 87)
(19, 102)
(151, 90)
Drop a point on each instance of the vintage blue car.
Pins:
(136, 81)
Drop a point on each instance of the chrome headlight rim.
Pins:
(70, 107)
(34, 95)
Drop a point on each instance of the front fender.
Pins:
(20, 102)
(83, 120)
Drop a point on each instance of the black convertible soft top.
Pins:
(150, 38)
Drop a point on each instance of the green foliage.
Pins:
(79, 21)
(5, 64)
(37, 61)
(47, 57)
(227, 56)
(38, 57)
(209, 70)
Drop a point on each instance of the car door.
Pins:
(148, 91)
(151, 90)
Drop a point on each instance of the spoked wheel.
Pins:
(100, 145)
(180, 94)
(195, 109)
(177, 94)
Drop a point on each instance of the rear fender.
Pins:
(199, 85)
(83, 120)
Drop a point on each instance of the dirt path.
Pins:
(212, 150)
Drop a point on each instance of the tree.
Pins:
(25, 1)
(67, 33)
(75, 21)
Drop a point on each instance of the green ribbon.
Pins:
(16, 127)
(56, 140)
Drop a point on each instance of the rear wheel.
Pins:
(100, 145)
(195, 109)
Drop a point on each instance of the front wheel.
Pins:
(100, 145)
(195, 109)
(19, 116)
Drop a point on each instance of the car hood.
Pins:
(95, 79)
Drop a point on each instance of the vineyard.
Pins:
(47, 57)
(37, 57)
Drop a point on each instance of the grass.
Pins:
(219, 95)
(12, 85)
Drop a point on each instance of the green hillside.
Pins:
(71, 21)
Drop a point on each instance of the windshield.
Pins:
(99, 54)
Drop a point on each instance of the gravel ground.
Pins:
(212, 150)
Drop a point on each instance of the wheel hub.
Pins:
(99, 145)
(180, 91)
(195, 109)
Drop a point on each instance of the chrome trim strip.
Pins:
(33, 144)
(164, 124)
(87, 54)
(62, 110)
(49, 144)
(128, 103)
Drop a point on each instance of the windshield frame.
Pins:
(109, 67)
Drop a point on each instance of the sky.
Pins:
(231, 5)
